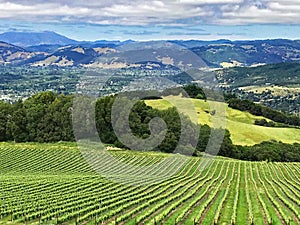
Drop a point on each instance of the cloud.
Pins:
(231, 34)
(262, 12)
(144, 32)
(209, 2)
(188, 34)
(154, 12)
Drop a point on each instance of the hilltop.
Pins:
(241, 125)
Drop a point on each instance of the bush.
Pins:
(265, 123)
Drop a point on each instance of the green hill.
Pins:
(240, 124)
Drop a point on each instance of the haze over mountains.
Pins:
(25, 39)
(51, 49)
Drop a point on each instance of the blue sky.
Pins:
(154, 19)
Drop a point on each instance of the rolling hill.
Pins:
(284, 74)
(249, 53)
(240, 124)
(215, 54)
(13, 54)
(275, 85)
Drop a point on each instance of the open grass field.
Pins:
(275, 90)
(53, 184)
(240, 124)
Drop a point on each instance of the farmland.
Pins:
(54, 184)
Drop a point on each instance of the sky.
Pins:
(155, 19)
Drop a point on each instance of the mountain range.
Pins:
(52, 49)
(25, 39)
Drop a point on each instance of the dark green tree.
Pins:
(19, 123)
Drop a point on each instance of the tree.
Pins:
(19, 123)
(5, 120)
(194, 91)
(103, 119)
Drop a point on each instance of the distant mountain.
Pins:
(14, 54)
(44, 48)
(49, 48)
(71, 56)
(249, 53)
(4, 47)
(25, 39)
(199, 43)
(105, 43)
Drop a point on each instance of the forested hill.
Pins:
(275, 85)
(283, 74)
(46, 117)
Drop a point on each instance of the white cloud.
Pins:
(159, 12)
(151, 10)
(208, 2)
(282, 6)
(14, 10)
(279, 11)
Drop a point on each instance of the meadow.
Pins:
(54, 184)
(240, 124)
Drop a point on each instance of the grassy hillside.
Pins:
(240, 124)
(53, 184)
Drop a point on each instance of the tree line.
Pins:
(260, 110)
(47, 117)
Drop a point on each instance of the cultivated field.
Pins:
(240, 124)
(53, 184)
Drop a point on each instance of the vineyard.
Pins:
(54, 184)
